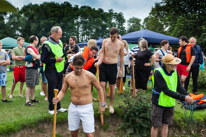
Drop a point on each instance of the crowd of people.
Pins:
(64, 66)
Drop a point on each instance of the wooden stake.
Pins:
(121, 86)
(108, 95)
(133, 80)
(101, 115)
(55, 110)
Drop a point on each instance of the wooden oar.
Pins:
(101, 115)
(55, 110)
(121, 86)
(133, 81)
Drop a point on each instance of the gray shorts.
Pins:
(161, 115)
(32, 77)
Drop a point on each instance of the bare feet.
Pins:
(94, 98)
(10, 96)
(111, 110)
(46, 99)
(20, 95)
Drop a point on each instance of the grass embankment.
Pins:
(15, 115)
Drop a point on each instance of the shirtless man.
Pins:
(80, 82)
(108, 59)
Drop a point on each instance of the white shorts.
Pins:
(85, 113)
(123, 73)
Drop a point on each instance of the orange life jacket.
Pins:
(196, 97)
(187, 51)
(88, 62)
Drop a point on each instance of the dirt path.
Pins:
(45, 129)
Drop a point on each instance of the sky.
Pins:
(130, 8)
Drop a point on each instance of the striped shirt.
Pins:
(133, 50)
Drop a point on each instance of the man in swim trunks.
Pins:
(81, 107)
(108, 59)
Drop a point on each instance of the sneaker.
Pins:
(5, 100)
(123, 88)
(42, 93)
(128, 83)
(62, 110)
(52, 112)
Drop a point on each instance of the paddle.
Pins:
(102, 118)
(55, 110)
(133, 82)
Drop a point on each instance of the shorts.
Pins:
(161, 115)
(123, 73)
(181, 69)
(84, 113)
(19, 73)
(32, 77)
(44, 80)
(3, 78)
(108, 72)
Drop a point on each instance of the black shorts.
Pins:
(108, 72)
(161, 115)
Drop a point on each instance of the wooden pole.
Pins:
(101, 115)
(133, 80)
(108, 95)
(121, 86)
(55, 110)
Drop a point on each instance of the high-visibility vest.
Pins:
(187, 51)
(171, 81)
(57, 50)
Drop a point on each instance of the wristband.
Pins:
(19, 57)
(102, 103)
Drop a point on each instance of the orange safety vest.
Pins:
(188, 52)
(88, 62)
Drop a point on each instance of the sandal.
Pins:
(29, 104)
(35, 101)
(20, 95)
(10, 96)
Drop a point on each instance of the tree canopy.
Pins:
(83, 22)
(182, 18)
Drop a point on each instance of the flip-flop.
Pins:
(21, 95)
(10, 96)
(29, 104)
(35, 101)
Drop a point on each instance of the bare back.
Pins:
(80, 86)
(111, 50)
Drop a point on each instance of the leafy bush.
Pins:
(201, 81)
(136, 115)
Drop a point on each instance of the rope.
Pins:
(190, 119)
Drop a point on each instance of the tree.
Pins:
(153, 24)
(182, 17)
(134, 24)
(83, 22)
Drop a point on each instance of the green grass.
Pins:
(15, 115)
